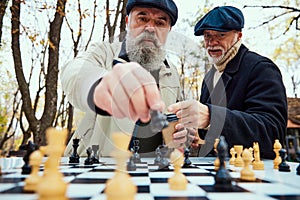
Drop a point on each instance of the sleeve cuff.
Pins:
(90, 100)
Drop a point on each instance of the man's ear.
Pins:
(126, 19)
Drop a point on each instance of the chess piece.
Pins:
(178, 181)
(217, 161)
(246, 173)
(251, 151)
(238, 160)
(131, 166)
(158, 156)
(277, 146)
(120, 186)
(32, 181)
(30, 147)
(164, 162)
(136, 156)
(222, 177)
(187, 162)
(52, 184)
(74, 158)
(158, 121)
(88, 160)
(95, 157)
(257, 164)
(168, 131)
(283, 166)
(232, 158)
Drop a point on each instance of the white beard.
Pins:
(149, 56)
(215, 60)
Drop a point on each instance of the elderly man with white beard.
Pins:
(242, 97)
(118, 84)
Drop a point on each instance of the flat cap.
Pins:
(223, 18)
(167, 6)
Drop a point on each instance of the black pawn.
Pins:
(222, 177)
(187, 162)
(88, 160)
(95, 157)
(164, 162)
(283, 166)
(74, 158)
(131, 166)
(30, 147)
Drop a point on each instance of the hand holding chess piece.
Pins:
(178, 181)
(120, 186)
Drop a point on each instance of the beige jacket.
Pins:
(77, 78)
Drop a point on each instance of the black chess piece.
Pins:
(298, 160)
(95, 157)
(30, 147)
(88, 160)
(74, 158)
(187, 162)
(164, 163)
(223, 180)
(158, 156)
(283, 166)
(135, 150)
(158, 121)
(131, 166)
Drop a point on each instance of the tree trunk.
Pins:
(50, 108)
(3, 6)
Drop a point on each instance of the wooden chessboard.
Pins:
(88, 181)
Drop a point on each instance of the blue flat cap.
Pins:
(223, 18)
(167, 6)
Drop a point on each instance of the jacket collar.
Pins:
(217, 95)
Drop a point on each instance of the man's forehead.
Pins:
(149, 10)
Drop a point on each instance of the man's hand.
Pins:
(191, 113)
(128, 90)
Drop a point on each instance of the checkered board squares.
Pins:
(89, 181)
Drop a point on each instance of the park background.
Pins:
(39, 36)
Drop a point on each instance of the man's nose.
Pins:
(150, 26)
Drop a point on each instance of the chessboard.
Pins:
(89, 181)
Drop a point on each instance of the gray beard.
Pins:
(149, 57)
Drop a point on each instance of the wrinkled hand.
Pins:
(128, 91)
(191, 113)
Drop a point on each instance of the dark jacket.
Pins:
(253, 106)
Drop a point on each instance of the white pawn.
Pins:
(178, 181)
(246, 173)
(232, 159)
(277, 146)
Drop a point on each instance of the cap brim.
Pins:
(201, 31)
